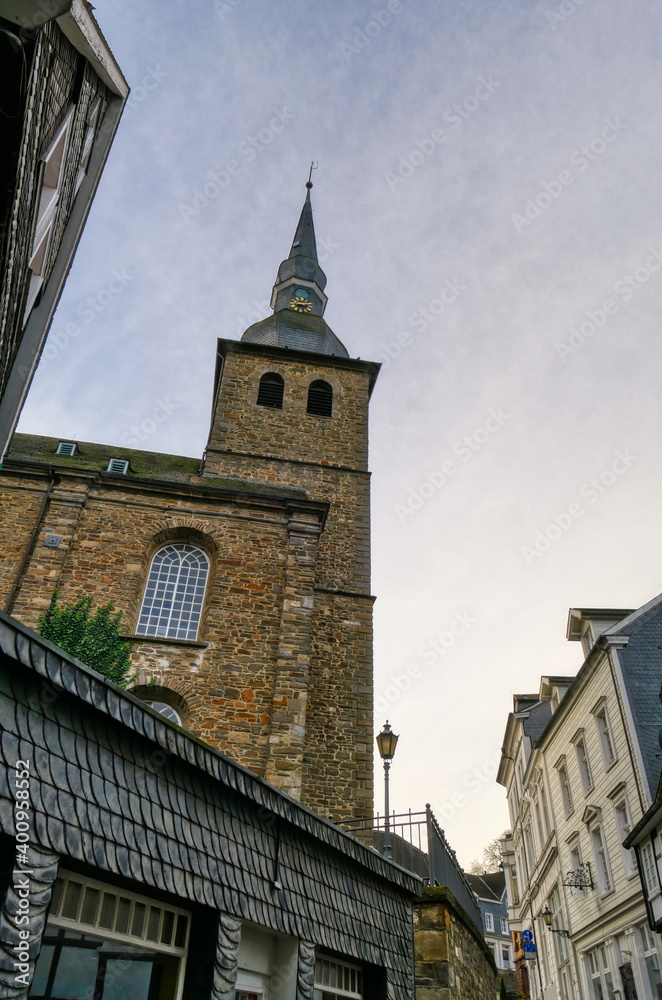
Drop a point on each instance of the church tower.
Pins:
(244, 578)
(291, 407)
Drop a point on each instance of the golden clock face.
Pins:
(300, 301)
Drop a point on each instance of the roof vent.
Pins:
(118, 466)
(66, 448)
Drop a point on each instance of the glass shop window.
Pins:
(100, 941)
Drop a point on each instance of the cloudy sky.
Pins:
(488, 212)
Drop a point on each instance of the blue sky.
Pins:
(488, 182)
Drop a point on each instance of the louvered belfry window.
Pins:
(175, 590)
(270, 392)
(320, 399)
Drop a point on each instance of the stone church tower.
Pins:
(244, 578)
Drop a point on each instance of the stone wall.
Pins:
(452, 958)
(280, 676)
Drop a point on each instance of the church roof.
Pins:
(296, 331)
(302, 261)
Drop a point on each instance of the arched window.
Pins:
(175, 590)
(270, 392)
(166, 710)
(320, 399)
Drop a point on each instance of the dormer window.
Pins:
(119, 466)
(270, 392)
(320, 399)
(66, 448)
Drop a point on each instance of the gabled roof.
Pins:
(490, 886)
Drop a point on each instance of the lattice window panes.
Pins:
(172, 604)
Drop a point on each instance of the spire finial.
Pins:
(313, 166)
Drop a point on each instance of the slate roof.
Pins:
(297, 332)
(641, 661)
(119, 787)
(143, 465)
(488, 886)
(302, 261)
(534, 724)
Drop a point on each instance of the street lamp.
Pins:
(548, 916)
(387, 742)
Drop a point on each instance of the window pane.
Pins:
(174, 593)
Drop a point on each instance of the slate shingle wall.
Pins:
(118, 788)
(641, 660)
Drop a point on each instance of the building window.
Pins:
(601, 859)
(48, 198)
(600, 975)
(505, 957)
(167, 711)
(530, 845)
(584, 766)
(335, 979)
(624, 826)
(560, 942)
(576, 862)
(606, 738)
(320, 399)
(270, 391)
(86, 152)
(651, 960)
(565, 786)
(504, 925)
(175, 590)
(97, 935)
(650, 871)
(489, 922)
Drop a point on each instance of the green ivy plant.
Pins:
(92, 638)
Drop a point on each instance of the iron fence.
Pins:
(418, 844)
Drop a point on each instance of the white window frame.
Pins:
(335, 967)
(88, 141)
(576, 862)
(159, 615)
(605, 733)
(489, 923)
(56, 919)
(53, 168)
(561, 768)
(600, 854)
(583, 762)
(503, 923)
(649, 869)
(624, 825)
(649, 952)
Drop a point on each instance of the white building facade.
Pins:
(578, 764)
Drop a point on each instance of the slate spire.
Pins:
(301, 281)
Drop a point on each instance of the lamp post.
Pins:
(387, 742)
(548, 917)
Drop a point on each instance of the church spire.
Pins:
(301, 281)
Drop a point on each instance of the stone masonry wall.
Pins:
(451, 956)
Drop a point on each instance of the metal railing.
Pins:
(418, 844)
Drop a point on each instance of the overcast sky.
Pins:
(488, 182)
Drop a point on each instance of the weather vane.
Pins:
(313, 166)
